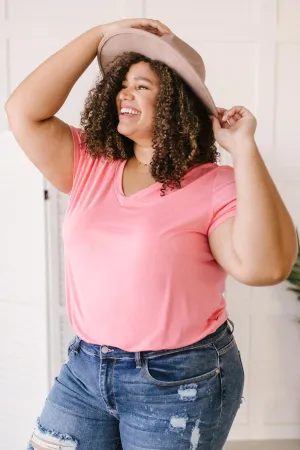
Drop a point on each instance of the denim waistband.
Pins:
(106, 351)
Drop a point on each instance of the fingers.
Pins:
(237, 110)
(236, 113)
(155, 26)
(232, 120)
(227, 118)
(223, 116)
(226, 125)
(218, 124)
(165, 27)
(160, 26)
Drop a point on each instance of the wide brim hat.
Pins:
(168, 48)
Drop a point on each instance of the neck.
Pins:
(143, 155)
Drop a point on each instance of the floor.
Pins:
(263, 445)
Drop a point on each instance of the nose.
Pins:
(126, 94)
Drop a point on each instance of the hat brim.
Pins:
(154, 47)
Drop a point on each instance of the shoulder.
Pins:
(212, 168)
(79, 139)
(81, 153)
(223, 175)
(87, 169)
(210, 175)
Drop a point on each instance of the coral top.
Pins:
(139, 272)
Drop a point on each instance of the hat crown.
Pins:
(187, 52)
(181, 49)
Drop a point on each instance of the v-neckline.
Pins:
(118, 184)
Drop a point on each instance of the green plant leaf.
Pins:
(294, 290)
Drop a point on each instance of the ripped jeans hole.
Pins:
(43, 439)
(188, 392)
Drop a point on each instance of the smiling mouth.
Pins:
(129, 112)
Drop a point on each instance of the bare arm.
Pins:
(263, 232)
(45, 90)
(31, 108)
(46, 140)
(259, 245)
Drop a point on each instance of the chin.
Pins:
(124, 131)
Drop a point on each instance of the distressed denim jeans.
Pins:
(106, 398)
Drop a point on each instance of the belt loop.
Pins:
(232, 324)
(138, 360)
(76, 344)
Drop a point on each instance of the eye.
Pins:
(123, 87)
(142, 87)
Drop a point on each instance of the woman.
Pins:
(153, 227)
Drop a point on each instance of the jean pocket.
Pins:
(226, 346)
(183, 367)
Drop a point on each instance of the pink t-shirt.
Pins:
(139, 271)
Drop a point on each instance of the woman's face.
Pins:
(136, 103)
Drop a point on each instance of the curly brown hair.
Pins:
(182, 136)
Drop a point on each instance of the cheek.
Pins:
(154, 108)
(148, 118)
(150, 111)
(153, 114)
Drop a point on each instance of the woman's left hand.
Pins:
(234, 127)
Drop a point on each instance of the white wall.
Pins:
(252, 53)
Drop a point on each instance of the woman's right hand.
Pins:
(153, 26)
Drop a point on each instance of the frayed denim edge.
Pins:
(44, 431)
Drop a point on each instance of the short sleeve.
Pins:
(79, 151)
(224, 197)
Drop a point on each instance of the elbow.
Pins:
(10, 110)
(8, 106)
(7, 110)
(269, 277)
(15, 115)
(13, 107)
(280, 276)
(268, 274)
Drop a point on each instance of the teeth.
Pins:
(128, 111)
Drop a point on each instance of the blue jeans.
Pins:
(106, 398)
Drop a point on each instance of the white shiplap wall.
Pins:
(252, 53)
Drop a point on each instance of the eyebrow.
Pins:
(142, 79)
